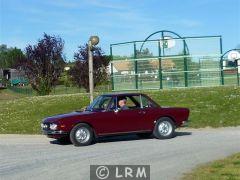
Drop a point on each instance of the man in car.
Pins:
(122, 103)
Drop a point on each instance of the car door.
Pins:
(104, 119)
(131, 119)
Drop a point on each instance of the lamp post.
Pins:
(93, 40)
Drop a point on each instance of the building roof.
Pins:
(122, 65)
(128, 65)
(122, 94)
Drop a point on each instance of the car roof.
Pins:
(123, 94)
(129, 94)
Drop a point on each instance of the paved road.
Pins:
(37, 157)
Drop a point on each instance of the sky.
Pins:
(23, 22)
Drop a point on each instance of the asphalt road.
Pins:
(37, 157)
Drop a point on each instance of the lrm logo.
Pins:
(119, 172)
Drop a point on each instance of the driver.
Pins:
(122, 103)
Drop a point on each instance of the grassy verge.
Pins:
(24, 115)
(58, 90)
(228, 169)
(215, 107)
(6, 94)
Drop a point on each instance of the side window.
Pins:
(103, 103)
(133, 102)
(128, 102)
(137, 101)
(146, 103)
(112, 104)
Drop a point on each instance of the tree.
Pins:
(44, 63)
(3, 47)
(145, 65)
(9, 56)
(145, 53)
(79, 72)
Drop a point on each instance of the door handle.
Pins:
(142, 112)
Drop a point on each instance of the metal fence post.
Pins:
(160, 65)
(112, 79)
(162, 53)
(135, 67)
(237, 68)
(200, 73)
(185, 64)
(221, 63)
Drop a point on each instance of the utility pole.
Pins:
(94, 40)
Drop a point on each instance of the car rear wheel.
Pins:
(164, 128)
(81, 135)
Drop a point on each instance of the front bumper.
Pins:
(51, 132)
(55, 134)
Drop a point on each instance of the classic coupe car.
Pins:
(116, 114)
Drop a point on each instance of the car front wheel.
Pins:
(81, 135)
(164, 128)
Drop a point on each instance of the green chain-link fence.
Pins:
(169, 62)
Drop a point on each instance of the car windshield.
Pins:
(99, 103)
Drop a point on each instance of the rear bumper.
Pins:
(185, 123)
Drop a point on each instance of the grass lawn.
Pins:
(58, 90)
(228, 169)
(6, 94)
(215, 107)
(24, 115)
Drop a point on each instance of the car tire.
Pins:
(164, 128)
(81, 135)
(144, 135)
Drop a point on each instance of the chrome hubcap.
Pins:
(82, 135)
(165, 128)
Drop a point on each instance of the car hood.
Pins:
(52, 119)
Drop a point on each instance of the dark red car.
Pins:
(115, 114)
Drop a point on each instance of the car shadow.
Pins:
(182, 134)
(134, 137)
(109, 139)
(56, 142)
(119, 138)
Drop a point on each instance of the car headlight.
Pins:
(44, 126)
(53, 126)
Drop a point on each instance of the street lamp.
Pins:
(93, 40)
